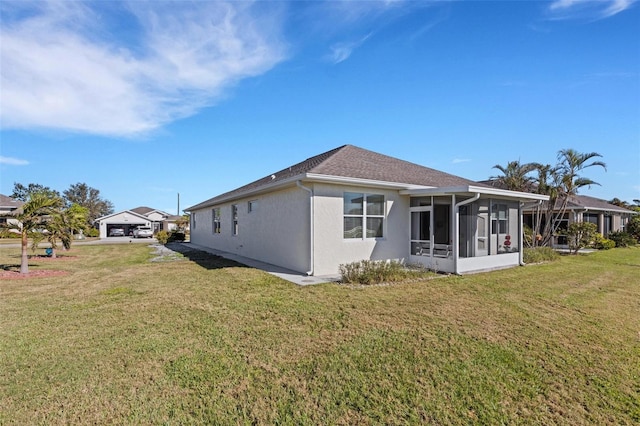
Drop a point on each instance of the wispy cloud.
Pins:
(460, 160)
(10, 161)
(66, 65)
(590, 9)
(341, 51)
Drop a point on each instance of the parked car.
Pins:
(116, 232)
(142, 232)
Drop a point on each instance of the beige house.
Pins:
(128, 220)
(350, 204)
(8, 207)
(581, 208)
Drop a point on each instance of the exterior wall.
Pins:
(487, 263)
(331, 249)
(277, 232)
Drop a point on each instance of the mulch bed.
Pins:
(42, 273)
(13, 272)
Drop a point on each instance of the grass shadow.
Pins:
(202, 258)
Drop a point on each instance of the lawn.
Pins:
(121, 340)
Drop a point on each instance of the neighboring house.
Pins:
(580, 208)
(8, 207)
(128, 220)
(350, 204)
(160, 220)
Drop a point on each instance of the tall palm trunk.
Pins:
(24, 259)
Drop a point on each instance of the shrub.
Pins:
(622, 239)
(376, 271)
(176, 236)
(633, 227)
(6, 233)
(580, 234)
(604, 244)
(92, 232)
(539, 254)
(162, 237)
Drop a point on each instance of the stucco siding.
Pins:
(276, 232)
(332, 249)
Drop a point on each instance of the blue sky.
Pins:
(145, 100)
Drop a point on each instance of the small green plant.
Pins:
(162, 237)
(539, 254)
(622, 239)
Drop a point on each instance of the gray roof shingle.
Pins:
(350, 161)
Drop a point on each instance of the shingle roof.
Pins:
(142, 210)
(350, 161)
(9, 202)
(577, 201)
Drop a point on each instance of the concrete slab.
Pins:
(286, 274)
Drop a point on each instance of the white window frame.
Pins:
(215, 221)
(365, 216)
(234, 219)
(252, 206)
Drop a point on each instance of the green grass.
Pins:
(122, 340)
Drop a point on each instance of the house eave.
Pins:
(471, 189)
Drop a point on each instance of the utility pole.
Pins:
(178, 213)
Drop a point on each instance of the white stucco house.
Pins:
(350, 204)
(128, 220)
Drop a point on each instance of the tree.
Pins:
(559, 182)
(580, 234)
(32, 217)
(60, 226)
(516, 176)
(620, 203)
(88, 197)
(22, 193)
(182, 222)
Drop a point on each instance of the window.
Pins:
(253, 206)
(234, 219)
(215, 217)
(193, 220)
(499, 219)
(363, 212)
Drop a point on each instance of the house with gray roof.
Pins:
(351, 204)
(580, 208)
(128, 220)
(8, 208)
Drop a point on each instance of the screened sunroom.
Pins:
(464, 229)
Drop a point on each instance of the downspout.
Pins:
(521, 234)
(456, 225)
(311, 239)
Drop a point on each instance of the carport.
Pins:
(126, 220)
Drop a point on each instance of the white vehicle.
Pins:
(142, 232)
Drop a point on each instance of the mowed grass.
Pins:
(122, 340)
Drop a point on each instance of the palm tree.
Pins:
(60, 227)
(571, 162)
(560, 183)
(564, 182)
(515, 176)
(31, 217)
